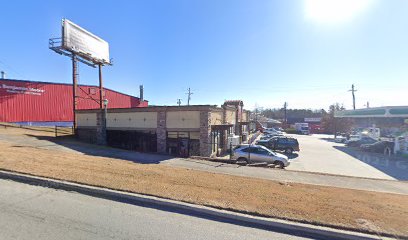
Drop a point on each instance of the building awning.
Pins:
(381, 112)
(221, 127)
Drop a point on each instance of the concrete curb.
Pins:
(278, 225)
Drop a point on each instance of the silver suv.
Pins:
(257, 153)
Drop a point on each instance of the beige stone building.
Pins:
(177, 130)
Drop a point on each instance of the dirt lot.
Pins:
(377, 212)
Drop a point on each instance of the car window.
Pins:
(293, 141)
(250, 149)
(262, 151)
(245, 149)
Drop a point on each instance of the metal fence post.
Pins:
(230, 150)
(249, 153)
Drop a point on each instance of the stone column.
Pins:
(224, 114)
(237, 120)
(100, 128)
(205, 133)
(161, 132)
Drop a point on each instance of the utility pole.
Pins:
(285, 106)
(352, 90)
(141, 97)
(101, 93)
(189, 96)
(74, 89)
(179, 101)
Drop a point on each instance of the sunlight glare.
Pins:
(334, 11)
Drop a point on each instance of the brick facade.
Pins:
(205, 133)
(161, 132)
(100, 128)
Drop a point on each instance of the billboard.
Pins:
(83, 43)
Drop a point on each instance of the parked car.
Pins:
(272, 131)
(278, 129)
(267, 137)
(340, 139)
(287, 144)
(358, 143)
(257, 153)
(353, 137)
(386, 147)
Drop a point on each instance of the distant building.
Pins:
(390, 119)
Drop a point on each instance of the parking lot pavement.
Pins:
(318, 153)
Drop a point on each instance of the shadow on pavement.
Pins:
(328, 139)
(103, 151)
(394, 166)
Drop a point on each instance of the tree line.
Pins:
(329, 123)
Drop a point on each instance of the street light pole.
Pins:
(105, 117)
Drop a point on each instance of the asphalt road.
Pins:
(35, 212)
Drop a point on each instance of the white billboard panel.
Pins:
(84, 43)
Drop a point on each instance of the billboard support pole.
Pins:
(83, 46)
(100, 87)
(74, 89)
(103, 103)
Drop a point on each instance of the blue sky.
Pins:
(305, 52)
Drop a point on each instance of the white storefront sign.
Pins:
(22, 90)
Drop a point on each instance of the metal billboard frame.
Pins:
(56, 45)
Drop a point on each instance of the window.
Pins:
(262, 151)
(172, 134)
(251, 149)
(245, 150)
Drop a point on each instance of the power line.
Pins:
(352, 90)
(189, 96)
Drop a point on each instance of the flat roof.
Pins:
(376, 112)
(156, 108)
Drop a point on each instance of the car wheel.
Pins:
(242, 160)
(279, 164)
(288, 150)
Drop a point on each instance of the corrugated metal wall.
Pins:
(25, 101)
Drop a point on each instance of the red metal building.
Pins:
(29, 101)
